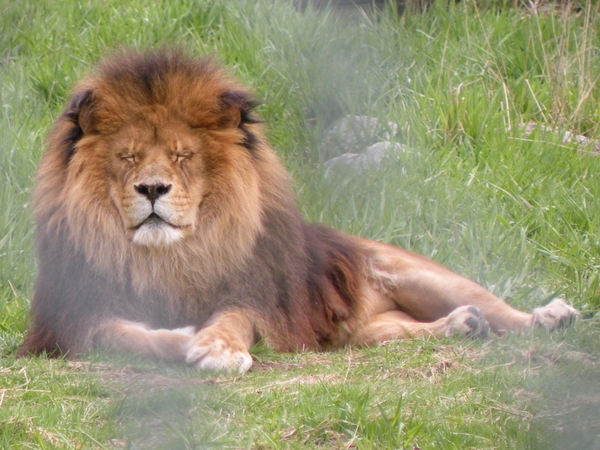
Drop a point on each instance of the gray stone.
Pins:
(354, 134)
(371, 158)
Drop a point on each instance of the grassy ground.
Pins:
(516, 212)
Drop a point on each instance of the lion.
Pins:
(167, 228)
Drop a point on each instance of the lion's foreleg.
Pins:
(223, 345)
(135, 338)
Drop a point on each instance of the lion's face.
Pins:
(157, 166)
(159, 180)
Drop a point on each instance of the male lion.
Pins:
(167, 228)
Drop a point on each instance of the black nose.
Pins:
(153, 191)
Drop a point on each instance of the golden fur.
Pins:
(167, 227)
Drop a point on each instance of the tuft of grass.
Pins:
(518, 213)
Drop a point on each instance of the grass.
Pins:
(518, 213)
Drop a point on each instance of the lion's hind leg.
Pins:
(394, 325)
(429, 292)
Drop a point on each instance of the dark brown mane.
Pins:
(335, 267)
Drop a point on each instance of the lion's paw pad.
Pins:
(556, 314)
(218, 356)
(467, 321)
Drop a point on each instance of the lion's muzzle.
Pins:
(156, 223)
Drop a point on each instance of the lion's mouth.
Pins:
(154, 220)
(154, 231)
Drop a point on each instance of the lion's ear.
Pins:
(81, 111)
(238, 106)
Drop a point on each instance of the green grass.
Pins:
(519, 214)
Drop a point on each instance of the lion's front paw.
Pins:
(467, 321)
(217, 355)
(556, 314)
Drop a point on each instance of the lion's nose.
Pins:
(153, 191)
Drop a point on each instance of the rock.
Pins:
(568, 137)
(371, 158)
(354, 134)
(354, 6)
